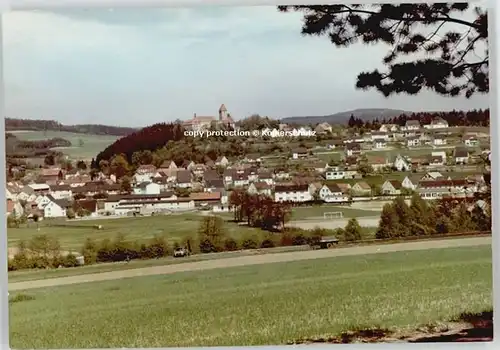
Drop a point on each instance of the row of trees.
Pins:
(422, 218)
(454, 118)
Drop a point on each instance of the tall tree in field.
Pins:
(450, 52)
(211, 233)
(388, 224)
(352, 231)
(423, 222)
(405, 218)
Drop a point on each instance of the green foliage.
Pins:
(211, 234)
(442, 59)
(230, 244)
(352, 231)
(250, 243)
(70, 213)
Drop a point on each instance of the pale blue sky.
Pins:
(136, 67)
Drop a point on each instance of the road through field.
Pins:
(252, 260)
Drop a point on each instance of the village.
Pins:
(434, 160)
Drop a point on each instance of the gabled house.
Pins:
(292, 193)
(51, 175)
(352, 149)
(379, 135)
(260, 188)
(471, 141)
(401, 164)
(222, 161)
(330, 190)
(146, 188)
(184, 179)
(145, 173)
(61, 191)
(379, 144)
(439, 141)
(411, 182)
(413, 141)
(300, 152)
(54, 208)
(169, 164)
(391, 187)
(431, 176)
(339, 173)
(461, 155)
(361, 188)
(411, 125)
(437, 123)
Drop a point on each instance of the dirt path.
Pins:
(367, 221)
(251, 260)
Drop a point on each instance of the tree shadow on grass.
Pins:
(467, 327)
(480, 330)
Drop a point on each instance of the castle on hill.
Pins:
(204, 122)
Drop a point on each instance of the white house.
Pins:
(388, 128)
(432, 176)
(222, 161)
(379, 135)
(352, 149)
(144, 173)
(61, 191)
(379, 144)
(292, 193)
(439, 141)
(411, 125)
(391, 187)
(437, 123)
(146, 188)
(471, 142)
(413, 141)
(339, 173)
(330, 190)
(401, 164)
(55, 208)
(410, 182)
(260, 188)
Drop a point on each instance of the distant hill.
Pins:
(12, 124)
(343, 117)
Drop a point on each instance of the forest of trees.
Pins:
(52, 125)
(478, 117)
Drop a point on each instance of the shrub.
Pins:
(267, 243)
(250, 243)
(158, 247)
(286, 239)
(206, 246)
(70, 261)
(89, 251)
(299, 239)
(230, 244)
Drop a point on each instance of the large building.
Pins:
(204, 122)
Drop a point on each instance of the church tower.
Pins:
(222, 112)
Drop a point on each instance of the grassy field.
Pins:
(315, 212)
(91, 144)
(257, 305)
(72, 234)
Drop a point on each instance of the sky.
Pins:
(133, 67)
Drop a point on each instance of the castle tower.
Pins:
(222, 112)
